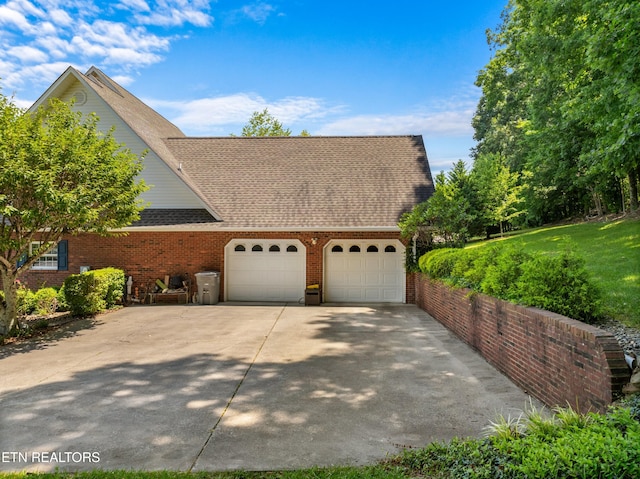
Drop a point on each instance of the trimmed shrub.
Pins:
(26, 301)
(560, 283)
(439, 263)
(115, 282)
(46, 301)
(501, 276)
(94, 291)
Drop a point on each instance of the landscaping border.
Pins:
(559, 360)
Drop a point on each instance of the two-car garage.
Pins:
(353, 270)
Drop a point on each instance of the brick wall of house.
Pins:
(147, 256)
(554, 358)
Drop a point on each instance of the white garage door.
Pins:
(265, 270)
(364, 271)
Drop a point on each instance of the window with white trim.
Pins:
(49, 260)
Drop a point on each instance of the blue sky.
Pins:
(361, 67)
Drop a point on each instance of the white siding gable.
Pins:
(166, 189)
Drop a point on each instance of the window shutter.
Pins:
(22, 260)
(63, 260)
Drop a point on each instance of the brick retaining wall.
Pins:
(558, 360)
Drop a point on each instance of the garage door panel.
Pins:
(364, 270)
(273, 274)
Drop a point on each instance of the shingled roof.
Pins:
(307, 182)
(274, 183)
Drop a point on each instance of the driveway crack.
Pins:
(235, 392)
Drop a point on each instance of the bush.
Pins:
(559, 283)
(537, 446)
(439, 263)
(94, 291)
(26, 301)
(114, 280)
(501, 276)
(46, 301)
(604, 446)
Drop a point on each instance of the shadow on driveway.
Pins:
(245, 387)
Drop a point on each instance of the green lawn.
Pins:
(612, 254)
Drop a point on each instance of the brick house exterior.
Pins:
(218, 204)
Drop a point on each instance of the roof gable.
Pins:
(144, 122)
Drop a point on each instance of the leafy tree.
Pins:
(58, 175)
(447, 216)
(262, 123)
(561, 100)
(610, 100)
(497, 191)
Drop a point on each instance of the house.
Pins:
(271, 214)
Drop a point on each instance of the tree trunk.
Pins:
(633, 189)
(8, 307)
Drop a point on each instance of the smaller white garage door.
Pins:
(364, 271)
(265, 270)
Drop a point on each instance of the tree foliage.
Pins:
(58, 175)
(263, 123)
(465, 203)
(561, 104)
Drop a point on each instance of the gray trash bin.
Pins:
(208, 287)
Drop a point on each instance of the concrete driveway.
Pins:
(237, 386)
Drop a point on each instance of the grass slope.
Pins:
(612, 254)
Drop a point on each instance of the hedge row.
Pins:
(558, 283)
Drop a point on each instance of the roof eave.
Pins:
(277, 229)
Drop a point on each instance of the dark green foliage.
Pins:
(501, 274)
(558, 283)
(566, 445)
(602, 446)
(633, 404)
(94, 291)
(471, 458)
(560, 105)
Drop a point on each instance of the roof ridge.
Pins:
(289, 137)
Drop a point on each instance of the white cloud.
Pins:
(174, 17)
(258, 12)
(56, 46)
(84, 32)
(446, 123)
(9, 16)
(114, 34)
(28, 54)
(45, 73)
(169, 13)
(121, 56)
(138, 5)
(60, 17)
(207, 115)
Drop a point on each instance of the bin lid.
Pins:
(208, 273)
